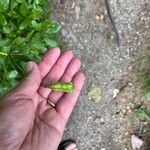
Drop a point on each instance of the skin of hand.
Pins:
(27, 121)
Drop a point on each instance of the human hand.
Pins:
(27, 121)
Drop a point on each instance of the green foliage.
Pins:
(147, 95)
(27, 31)
(144, 75)
(143, 113)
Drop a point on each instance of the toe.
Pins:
(71, 147)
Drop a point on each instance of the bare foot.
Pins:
(72, 146)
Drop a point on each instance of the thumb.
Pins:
(31, 83)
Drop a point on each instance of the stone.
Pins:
(95, 93)
(115, 93)
(136, 142)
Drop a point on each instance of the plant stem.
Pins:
(13, 46)
(4, 54)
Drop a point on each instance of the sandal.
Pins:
(65, 143)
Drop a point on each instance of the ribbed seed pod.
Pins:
(62, 87)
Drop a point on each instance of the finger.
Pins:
(45, 66)
(56, 72)
(58, 69)
(71, 70)
(65, 106)
(48, 61)
(44, 92)
(31, 83)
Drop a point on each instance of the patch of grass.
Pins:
(27, 31)
(143, 113)
(144, 72)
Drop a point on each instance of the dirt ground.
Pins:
(104, 117)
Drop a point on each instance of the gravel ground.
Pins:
(98, 121)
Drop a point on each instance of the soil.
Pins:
(105, 117)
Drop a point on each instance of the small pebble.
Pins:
(73, 5)
(115, 93)
(136, 142)
(101, 17)
(97, 17)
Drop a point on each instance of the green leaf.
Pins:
(4, 87)
(46, 25)
(142, 112)
(54, 28)
(43, 2)
(37, 2)
(20, 57)
(3, 21)
(147, 95)
(14, 4)
(38, 45)
(24, 10)
(4, 4)
(20, 1)
(7, 29)
(25, 23)
(17, 66)
(24, 48)
(51, 43)
(12, 74)
(36, 13)
(17, 41)
(36, 26)
(13, 82)
(4, 42)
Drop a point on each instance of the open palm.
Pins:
(28, 122)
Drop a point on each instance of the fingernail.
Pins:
(30, 66)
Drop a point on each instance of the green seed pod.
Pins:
(67, 87)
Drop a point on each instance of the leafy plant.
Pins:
(143, 113)
(27, 31)
(144, 75)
